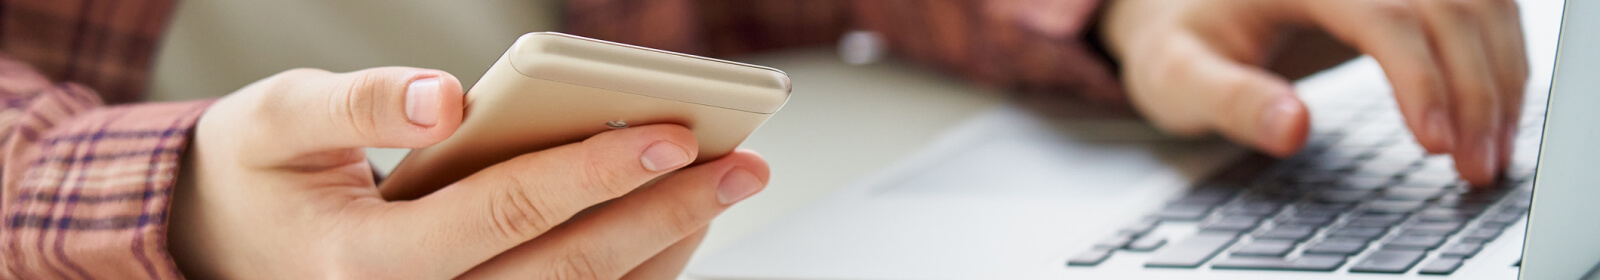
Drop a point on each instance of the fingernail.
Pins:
(1277, 120)
(662, 156)
(737, 185)
(1440, 129)
(422, 101)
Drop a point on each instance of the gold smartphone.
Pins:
(552, 89)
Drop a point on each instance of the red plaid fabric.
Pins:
(107, 45)
(1030, 46)
(86, 188)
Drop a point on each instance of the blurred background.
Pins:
(215, 47)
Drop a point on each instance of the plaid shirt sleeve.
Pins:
(107, 45)
(1028, 46)
(85, 187)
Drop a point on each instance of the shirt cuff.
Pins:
(87, 188)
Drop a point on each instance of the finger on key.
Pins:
(1458, 41)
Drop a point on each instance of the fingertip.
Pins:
(737, 184)
(434, 104)
(753, 161)
(1478, 166)
(1440, 136)
(1285, 125)
(663, 156)
(744, 173)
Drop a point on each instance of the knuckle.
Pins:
(578, 264)
(1458, 8)
(682, 220)
(1173, 120)
(268, 98)
(595, 174)
(1233, 95)
(302, 72)
(1395, 10)
(353, 103)
(1176, 67)
(1504, 6)
(517, 213)
(1476, 104)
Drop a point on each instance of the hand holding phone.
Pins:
(551, 89)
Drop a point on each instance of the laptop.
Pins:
(1021, 193)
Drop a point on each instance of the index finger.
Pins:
(1394, 34)
(512, 202)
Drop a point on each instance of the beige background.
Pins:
(216, 46)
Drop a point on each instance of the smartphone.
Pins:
(552, 89)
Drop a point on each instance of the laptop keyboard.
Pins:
(1361, 197)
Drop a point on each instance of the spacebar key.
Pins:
(1192, 252)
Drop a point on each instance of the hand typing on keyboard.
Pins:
(1458, 68)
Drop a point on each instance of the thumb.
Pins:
(1252, 106)
(1205, 91)
(312, 111)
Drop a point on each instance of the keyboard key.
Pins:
(1411, 194)
(1341, 195)
(1234, 224)
(1433, 180)
(1317, 221)
(1313, 179)
(1288, 232)
(1481, 235)
(1389, 164)
(1441, 266)
(1324, 207)
(1443, 214)
(1463, 250)
(1268, 204)
(1114, 242)
(1501, 220)
(1265, 248)
(1375, 220)
(1366, 182)
(1205, 197)
(1343, 247)
(1092, 257)
(1389, 261)
(1304, 263)
(1247, 213)
(1252, 209)
(1444, 228)
(1414, 242)
(1392, 206)
(1192, 252)
(1140, 228)
(1146, 243)
(1182, 212)
(1457, 201)
(1361, 233)
(1317, 213)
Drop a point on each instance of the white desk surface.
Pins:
(842, 123)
